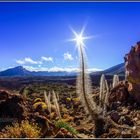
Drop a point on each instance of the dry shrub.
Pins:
(21, 130)
(37, 100)
(42, 104)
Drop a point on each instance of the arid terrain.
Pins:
(71, 109)
(50, 106)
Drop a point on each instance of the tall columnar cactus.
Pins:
(102, 90)
(84, 88)
(106, 98)
(104, 93)
(49, 102)
(45, 97)
(57, 95)
(115, 80)
(55, 101)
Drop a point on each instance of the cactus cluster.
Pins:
(96, 112)
(54, 98)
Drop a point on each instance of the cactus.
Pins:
(55, 101)
(49, 102)
(115, 80)
(102, 90)
(84, 91)
(45, 97)
(104, 93)
(106, 98)
(57, 95)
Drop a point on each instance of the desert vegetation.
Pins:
(47, 109)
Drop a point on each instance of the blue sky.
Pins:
(35, 35)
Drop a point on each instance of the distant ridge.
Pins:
(17, 71)
(21, 71)
(117, 69)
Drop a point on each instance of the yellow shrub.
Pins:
(64, 110)
(43, 105)
(68, 99)
(37, 100)
(76, 99)
(22, 130)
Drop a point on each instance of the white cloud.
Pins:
(47, 58)
(27, 60)
(52, 69)
(57, 69)
(20, 62)
(94, 69)
(68, 56)
(40, 62)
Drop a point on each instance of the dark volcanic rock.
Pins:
(119, 93)
(126, 120)
(13, 107)
(115, 116)
(132, 65)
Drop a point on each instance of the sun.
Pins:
(79, 38)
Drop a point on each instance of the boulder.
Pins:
(126, 120)
(13, 107)
(132, 66)
(115, 116)
(119, 93)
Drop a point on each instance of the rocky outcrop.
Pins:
(132, 65)
(13, 107)
(119, 93)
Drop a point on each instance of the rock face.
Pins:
(12, 107)
(132, 66)
(119, 93)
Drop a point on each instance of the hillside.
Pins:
(21, 71)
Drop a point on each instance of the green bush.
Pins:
(62, 124)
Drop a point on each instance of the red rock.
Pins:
(132, 65)
(119, 93)
(13, 105)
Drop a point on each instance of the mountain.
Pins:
(118, 69)
(20, 71)
(59, 73)
(17, 71)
